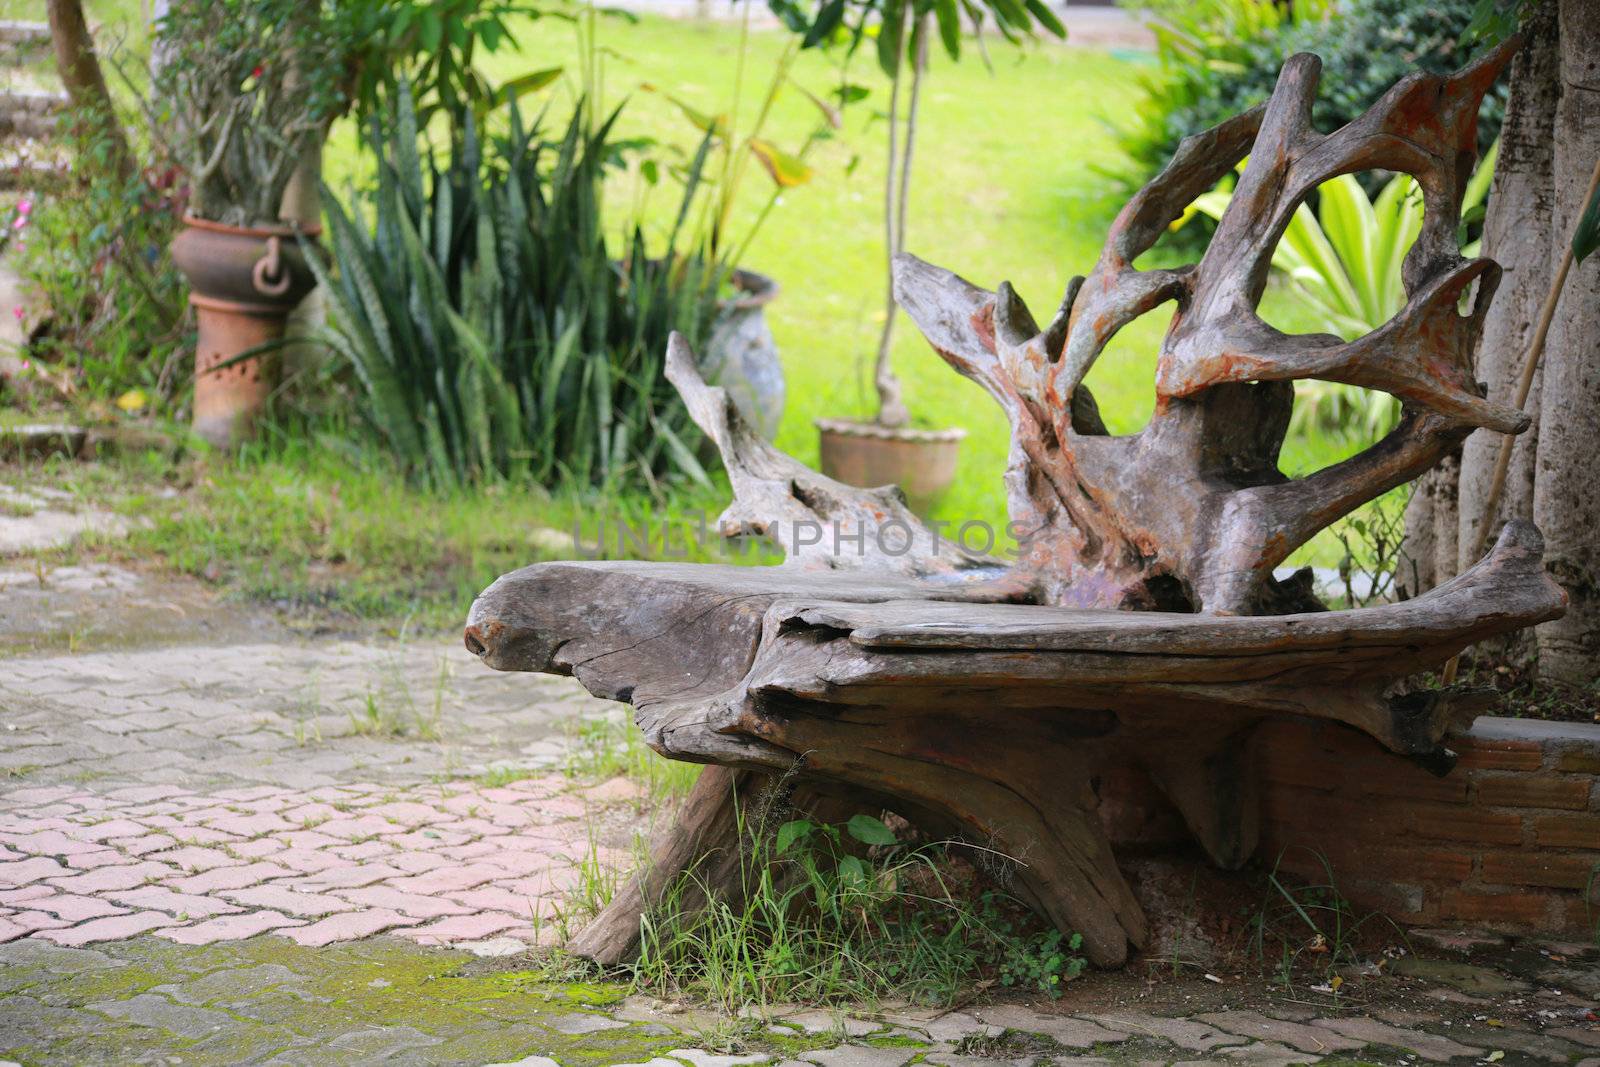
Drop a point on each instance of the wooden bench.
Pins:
(883, 667)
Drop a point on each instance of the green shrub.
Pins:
(94, 248)
(493, 327)
(1220, 57)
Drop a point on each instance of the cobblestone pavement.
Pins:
(326, 792)
(220, 848)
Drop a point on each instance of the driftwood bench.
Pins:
(883, 666)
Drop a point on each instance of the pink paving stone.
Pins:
(261, 846)
(193, 859)
(104, 831)
(202, 835)
(154, 811)
(53, 810)
(112, 928)
(230, 878)
(22, 872)
(362, 852)
(449, 879)
(145, 794)
(41, 794)
(348, 927)
(285, 899)
(309, 839)
(471, 850)
(139, 846)
(520, 863)
(515, 794)
(463, 928)
(202, 816)
(250, 792)
(349, 877)
(25, 894)
(160, 898)
(38, 920)
(250, 825)
(273, 803)
(50, 843)
(29, 823)
(310, 812)
(331, 793)
(10, 931)
(407, 813)
(75, 908)
(493, 898)
(473, 828)
(417, 862)
(229, 928)
(428, 839)
(362, 826)
(413, 904)
(106, 857)
(555, 880)
(110, 879)
(560, 808)
(306, 860)
(7, 854)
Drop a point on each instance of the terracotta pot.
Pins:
(921, 462)
(243, 283)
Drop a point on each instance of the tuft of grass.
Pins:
(1308, 932)
(830, 914)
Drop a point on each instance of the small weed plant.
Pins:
(828, 913)
(1307, 930)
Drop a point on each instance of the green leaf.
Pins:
(870, 830)
(786, 170)
(949, 16)
(791, 832)
(853, 870)
(1586, 238)
(521, 86)
(1046, 17)
(891, 30)
(828, 20)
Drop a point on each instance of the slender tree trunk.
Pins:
(896, 191)
(302, 203)
(1566, 501)
(1519, 233)
(82, 78)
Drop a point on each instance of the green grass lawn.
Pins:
(1006, 188)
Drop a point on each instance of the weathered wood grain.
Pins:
(1140, 623)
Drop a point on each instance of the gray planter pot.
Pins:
(741, 357)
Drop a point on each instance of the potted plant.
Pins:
(247, 87)
(888, 449)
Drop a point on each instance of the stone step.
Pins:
(18, 36)
(30, 113)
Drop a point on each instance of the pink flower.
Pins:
(19, 222)
(24, 207)
(17, 313)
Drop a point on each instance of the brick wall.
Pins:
(1510, 838)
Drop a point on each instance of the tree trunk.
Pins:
(1519, 235)
(83, 80)
(1566, 500)
(302, 203)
